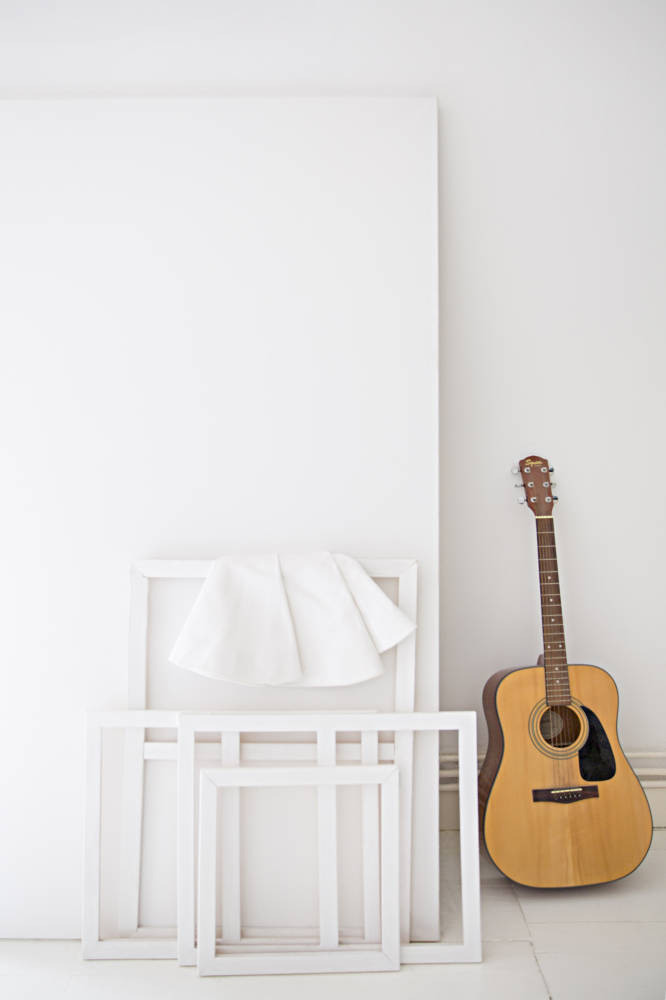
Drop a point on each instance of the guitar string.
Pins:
(546, 549)
(570, 726)
(549, 734)
(566, 736)
(541, 555)
(567, 717)
(547, 570)
(544, 545)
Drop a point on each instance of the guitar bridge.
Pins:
(565, 794)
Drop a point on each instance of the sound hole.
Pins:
(560, 726)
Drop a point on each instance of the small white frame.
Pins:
(405, 571)
(142, 942)
(329, 956)
(326, 726)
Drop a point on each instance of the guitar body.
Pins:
(559, 809)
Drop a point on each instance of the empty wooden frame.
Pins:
(137, 750)
(143, 943)
(232, 726)
(140, 942)
(329, 955)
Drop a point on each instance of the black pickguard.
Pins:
(595, 758)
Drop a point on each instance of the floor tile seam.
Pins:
(522, 911)
(549, 994)
(507, 940)
(609, 921)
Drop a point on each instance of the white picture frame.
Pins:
(142, 572)
(232, 726)
(143, 942)
(142, 945)
(140, 942)
(329, 955)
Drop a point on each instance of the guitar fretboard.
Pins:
(558, 691)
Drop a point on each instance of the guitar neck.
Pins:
(558, 691)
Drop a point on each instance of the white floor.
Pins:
(606, 942)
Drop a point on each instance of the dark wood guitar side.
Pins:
(559, 803)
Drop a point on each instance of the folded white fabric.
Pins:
(314, 620)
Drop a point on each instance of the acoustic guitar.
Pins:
(559, 803)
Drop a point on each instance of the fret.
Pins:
(556, 671)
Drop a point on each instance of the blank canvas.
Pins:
(219, 335)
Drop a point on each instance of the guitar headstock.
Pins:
(535, 473)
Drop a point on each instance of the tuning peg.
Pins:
(551, 468)
(555, 499)
(517, 486)
(515, 470)
(553, 483)
(521, 500)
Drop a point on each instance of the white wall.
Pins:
(553, 302)
(553, 237)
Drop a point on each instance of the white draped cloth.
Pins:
(311, 620)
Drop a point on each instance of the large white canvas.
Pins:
(219, 330)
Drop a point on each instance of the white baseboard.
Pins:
(650, 768)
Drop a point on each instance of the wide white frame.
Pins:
(142, 942)
(329, 955)
(405, 571)
(326, 725)
(348, 456)
(145, 942)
